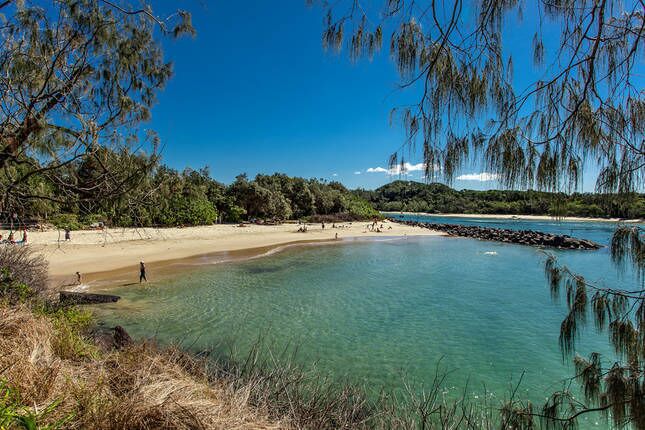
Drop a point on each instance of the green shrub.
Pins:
(67, 222)
(13, 414)
(235, 213)
(186, 210)
(360, 209)
(89, 219)
(18, 265)
(71, 324)
(13, 291)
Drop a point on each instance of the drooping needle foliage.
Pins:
(618, 389)
(586, 106)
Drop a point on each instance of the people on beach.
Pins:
(24, 236)
(142, 272)
(323, 225)
(336, 236)
(68, 235)
(78, 278)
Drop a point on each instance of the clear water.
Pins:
(378, 312)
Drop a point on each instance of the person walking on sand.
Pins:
(142, 272)
(78, 278)
(68, 235)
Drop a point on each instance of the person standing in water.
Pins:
(142, 272)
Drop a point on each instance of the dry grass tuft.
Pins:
(141, 387)
(24, 266)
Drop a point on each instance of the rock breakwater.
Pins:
(522, 237)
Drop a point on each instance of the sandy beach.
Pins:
(521, 217)
(94, 251)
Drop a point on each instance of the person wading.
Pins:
(142, 272)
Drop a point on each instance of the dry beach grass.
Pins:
(139, 387)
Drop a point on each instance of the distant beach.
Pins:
(519, 217)
(92, 251)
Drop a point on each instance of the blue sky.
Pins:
(254, 92)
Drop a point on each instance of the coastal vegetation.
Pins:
(79, 78)
(56, 374)
(410, 196)
(161, 196)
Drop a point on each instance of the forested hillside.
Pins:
(152, 194)
(412, 196)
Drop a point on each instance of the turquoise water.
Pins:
(378, 312)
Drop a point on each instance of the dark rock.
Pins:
(76, 298)
(121, 338)
(522, 237)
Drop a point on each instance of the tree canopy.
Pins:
(160, 196)
(410, 196)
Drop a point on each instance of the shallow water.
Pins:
(379, 312)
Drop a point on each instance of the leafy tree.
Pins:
(77, 76)
(185, 210)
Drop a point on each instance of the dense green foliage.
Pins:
(438, 198)
(161, 196)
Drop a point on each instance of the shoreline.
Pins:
(103, 281)
(98, 254)
(518, 217)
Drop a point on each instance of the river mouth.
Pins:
(377, 314)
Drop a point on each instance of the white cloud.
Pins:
(481, 177)
(376, 170)
(396, 170)
(358, 172)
